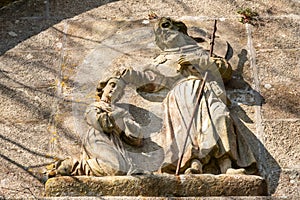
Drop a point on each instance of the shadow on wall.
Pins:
(269, 169)
(268, 166)
(19, 21)
(22, 19)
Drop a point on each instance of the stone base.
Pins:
(157, 186)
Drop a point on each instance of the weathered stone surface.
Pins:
(157, 185)
(288, 183)
(281, 156)
(174, 198)
(275, 70)
(284, 33)
(282, 141)
(43, 42)
(279, 85)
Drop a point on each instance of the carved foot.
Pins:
(192, 171)
(139, 172)
(61, 167)
(196, 168)
(232, 171)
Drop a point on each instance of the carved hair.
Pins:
(102, 83)
(166, 27)
(167, 22)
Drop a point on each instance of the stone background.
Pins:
(44, 43)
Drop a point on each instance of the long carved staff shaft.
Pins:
(212, 43)
(191, 122)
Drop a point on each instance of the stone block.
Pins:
(244, 118)
(27, 147)
(277, 33)
(279, 73)
(118, 10)
(33, 8)
(28, 85)
(32, 33)
(174, 198)
(31, 69)
(23, 154)
(50, 37)
(16, 181)
(281, 139)
(88, 34)
(281, 101)
(18, 139)
(271, 7)
(23, 106)
(157, 186)
(66, 9)
(278, 66)
(288, 184)
(36, 144)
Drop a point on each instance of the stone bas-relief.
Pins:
(110, 126)
(212, 146)
(197, 136)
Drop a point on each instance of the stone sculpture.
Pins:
(211, 145)
(110, 126)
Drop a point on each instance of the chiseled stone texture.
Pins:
(44, 42)
(155, 185)
(173, 198)
(284, 34)
(289, 183)
(278, 83)
(282, 141)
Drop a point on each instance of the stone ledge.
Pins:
(175, 198)
(157, 186)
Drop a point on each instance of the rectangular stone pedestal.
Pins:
(157, 186)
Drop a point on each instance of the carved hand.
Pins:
(117, 113)
(106, 122)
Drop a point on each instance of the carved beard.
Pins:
(168, 38)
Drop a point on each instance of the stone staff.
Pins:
(191, 122)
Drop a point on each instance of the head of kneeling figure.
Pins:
(110, 90)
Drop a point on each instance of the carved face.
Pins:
(171, 34)
(111, 92)
(167, 23)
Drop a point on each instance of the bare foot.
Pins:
(232, 171)
(196, 168)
